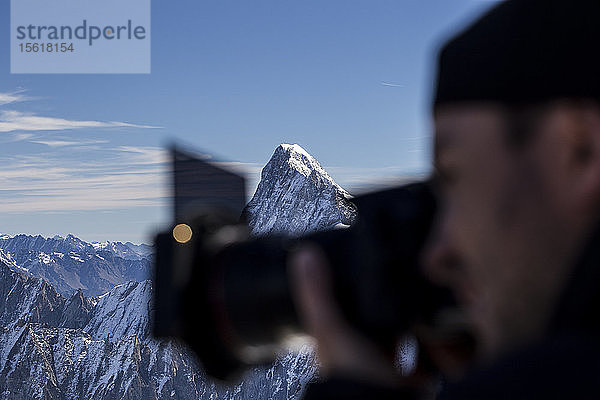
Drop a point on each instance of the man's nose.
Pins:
(440, 260)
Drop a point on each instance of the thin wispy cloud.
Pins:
(47, 183)
(144, 155)
(392, 84)
(17, 121)
(124, 177)
(20, 136)
(14, 97)
(63, 143)
(11, 121)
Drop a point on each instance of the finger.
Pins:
(314, 294)
(340, 348)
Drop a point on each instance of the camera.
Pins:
(228, 295)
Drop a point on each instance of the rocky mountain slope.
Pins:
(52, 347)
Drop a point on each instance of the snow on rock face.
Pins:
(127, 251)
(124, 311)
(296, 195)
(46, 351)
(23, 298)
(57, 348)
(60, 363)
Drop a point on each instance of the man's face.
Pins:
(497, 240)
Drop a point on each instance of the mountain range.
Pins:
(70, 264)
(74, 316)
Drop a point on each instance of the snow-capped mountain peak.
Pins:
(296, 195)
(297, 158)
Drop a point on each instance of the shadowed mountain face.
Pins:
(74, 316)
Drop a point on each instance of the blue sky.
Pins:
(349, 81)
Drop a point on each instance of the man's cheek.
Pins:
(472, 220)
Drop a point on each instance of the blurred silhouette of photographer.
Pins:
(517, 168)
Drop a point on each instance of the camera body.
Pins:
(228, 295)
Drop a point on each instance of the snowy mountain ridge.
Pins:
(71, 264)
(128, 249)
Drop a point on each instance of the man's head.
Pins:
(517, 154)
(513, 214)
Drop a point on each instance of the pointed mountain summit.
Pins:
(296, 195)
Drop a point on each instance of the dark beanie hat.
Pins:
(524, 51)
